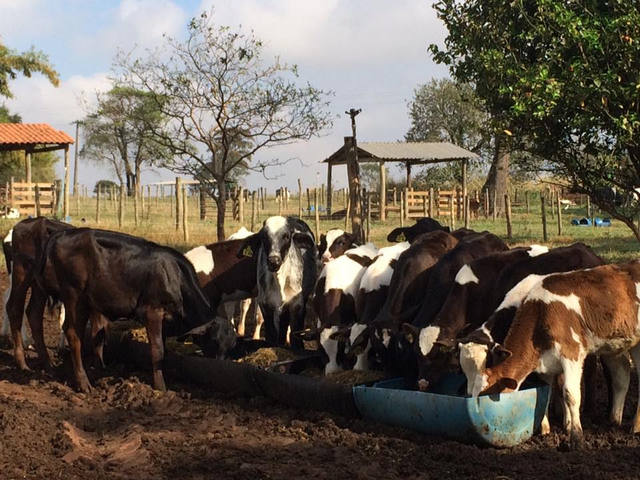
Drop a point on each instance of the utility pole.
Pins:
(75, 161)
(353, 172)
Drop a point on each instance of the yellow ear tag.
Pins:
(401, 237)
(247, 252)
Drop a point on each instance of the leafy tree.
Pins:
(445, 111)
(106, 186)
(562, 76)
(119, 132)
(12, 63)
(12, 163)
(220, 96)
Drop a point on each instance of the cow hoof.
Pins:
(84, 387)
(576, 442)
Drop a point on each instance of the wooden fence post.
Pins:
(486, 203)
(588, 206)
(185, 208)
(203, 203)
(431, 202)
(544, 217)
(466, 211)
(253, 210)
(395, 196)
(308, 203)
(348, 211)
(317, 212)
(559, 213)
(507, 213)
(299, 198)
(406, 203)
(452, 214)
(98, 205)
(121, 210)
(135, 203)
(177, 195)
(368, 215)
(526, 196)
(495, 205)
(402, 194)
(37, 195)
(241, 205)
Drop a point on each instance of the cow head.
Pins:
(435, 354)
(422, 225)
(334, 244)
(475, 357)
(275, 238)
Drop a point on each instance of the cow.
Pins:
(466, 307)
(335, 296)
(371, 296)
(334, 244)
(286, 256)
(409, 234)
(28, 240)
(481, 346)
(120, 276)
(564, 318)
(5, 330)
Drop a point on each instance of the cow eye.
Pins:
(285, 237)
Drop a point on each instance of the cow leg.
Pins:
(61, 317)
(635, 355)
(15, 310)
(98, 336)
(296, 321)
(571, 393)
(271, 334)
(154, 318)
(259, 319)
(35, 314)
(244, 309)
(620, 375)
(77, 314)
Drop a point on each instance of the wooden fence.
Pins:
(28, 198)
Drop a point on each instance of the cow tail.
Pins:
(192, 289)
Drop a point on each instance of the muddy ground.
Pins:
(124, 429)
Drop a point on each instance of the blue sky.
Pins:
(371, 53)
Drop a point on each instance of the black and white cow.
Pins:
(335, 297)
(286, 256)
(409, 234)
(334, 244)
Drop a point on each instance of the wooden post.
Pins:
(507, 212)
(121, 211)
(552, 204)
(452, 215)
(185, 208)
(494, 213)
(368, 215)
(588, 206)
(425, 209)
(157, 195)
(559, 213)
(526, 196)
(317, 212)
(177, 194)
(203, 203)
(241, 205)
(135, 203)
(486, 203)
(37, 199)
(323, 194)
(254, 205)
(300, 196)
(465, 214)
(264, 194)
(406, 202)
(329, 190)
(431, 202)
(280, 199)
(465, 201)
(544, 217)
(347, 210)
(402, 193)
(98, 205)
(309, 203)
(77, 198)
(383, 192)
(65, 207)
(395, 197)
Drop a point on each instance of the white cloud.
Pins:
(21, 17)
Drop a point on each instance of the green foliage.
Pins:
(562, 78)
(106, 186)
(26, 63)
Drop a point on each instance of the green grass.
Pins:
(614, 244)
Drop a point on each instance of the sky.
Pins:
(371, 53)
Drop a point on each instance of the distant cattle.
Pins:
(286, 256)
(120, 276)
(564, 318)
(335, 296)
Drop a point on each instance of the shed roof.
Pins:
(19, 136)
(412, 152)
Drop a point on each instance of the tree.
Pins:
(218, 94)
(12, 63)
(562, 77)
(445, 111)
(119, 132)
(12, 163)
(106, 186)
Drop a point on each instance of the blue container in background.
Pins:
(502, 420)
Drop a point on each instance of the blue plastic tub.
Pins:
(501, 420)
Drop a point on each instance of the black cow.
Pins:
(409, 234)
(120, 276)
(287, 271)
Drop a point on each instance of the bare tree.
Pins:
(219, 95)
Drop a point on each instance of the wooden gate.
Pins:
(23, 197)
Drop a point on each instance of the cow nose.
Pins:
(274, 262)
(423, 384)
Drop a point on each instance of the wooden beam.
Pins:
(383, 192)
(408, 165)
(65, 205)
(329, 189)
(27, 166)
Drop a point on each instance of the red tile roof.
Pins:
(31, 133)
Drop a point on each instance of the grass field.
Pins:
(615, 243)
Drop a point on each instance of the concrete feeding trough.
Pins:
(502, 420)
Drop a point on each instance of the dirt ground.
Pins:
(124, 429)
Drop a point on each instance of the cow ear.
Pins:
(397, 235)
(250, 246)
(304, 240)
(362, 261)
(322, 246)
(410, 332)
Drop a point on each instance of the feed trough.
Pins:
(502, 420)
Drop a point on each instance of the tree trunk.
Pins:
(498, 178)
(221, 203)
(353, 173)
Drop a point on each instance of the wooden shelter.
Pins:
(409, 153)
(36, 138)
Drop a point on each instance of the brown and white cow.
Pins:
(564, 318)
